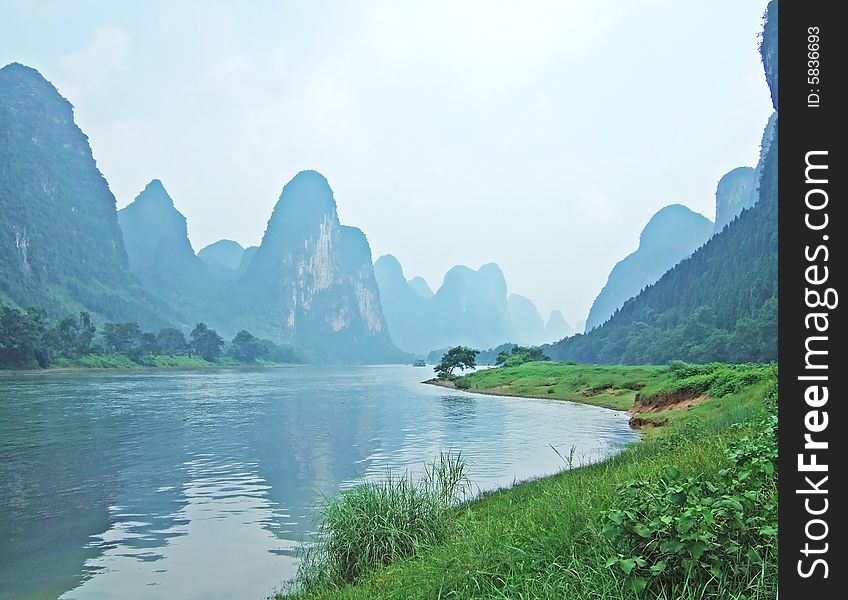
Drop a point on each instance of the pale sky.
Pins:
(538, 135)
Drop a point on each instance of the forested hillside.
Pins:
(60, 245)
(720, 304)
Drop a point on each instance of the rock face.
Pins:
(311, 280)
(736, 191)
(557, 327)
(671, 235)
(526, 321)
(60, 244)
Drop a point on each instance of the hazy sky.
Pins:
(538, 135)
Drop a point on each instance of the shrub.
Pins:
(697, 529)
(377, 523)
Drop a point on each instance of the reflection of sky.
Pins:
(163, 485)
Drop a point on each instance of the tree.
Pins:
(122, 338)
(148, 344)
(206, 342)
(73, 337)
(246, 347)
(458, 357)
(519, 355)
(85, 334)
(172, 341)
(23, 343)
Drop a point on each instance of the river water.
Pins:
(166, 484)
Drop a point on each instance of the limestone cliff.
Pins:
(311, 280)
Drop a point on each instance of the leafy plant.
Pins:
(697, 528)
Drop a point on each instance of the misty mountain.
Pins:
(408, 313)
(471, 308)
(557, 327)
(311, 281)
(222, 258)
(60, 244)
(736, 191)
(420, 287)
(159, 251)
(720, 304)
(526, 321)
(671, 235)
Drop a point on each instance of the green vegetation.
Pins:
(688, 514)
(601, 385)
(380, 522)
(28, 340)
(518, 355)
(459, 357)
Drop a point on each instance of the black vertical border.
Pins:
(803, 129)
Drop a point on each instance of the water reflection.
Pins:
(164, 484)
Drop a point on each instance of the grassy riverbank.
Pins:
(688, 514)
(122, 362)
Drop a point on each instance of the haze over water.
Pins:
(204, 484)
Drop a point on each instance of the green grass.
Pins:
(158, 361)
(383, 521)
(600, 385)
(545, 539)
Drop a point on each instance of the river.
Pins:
(204, 484)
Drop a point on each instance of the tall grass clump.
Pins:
(379, 522)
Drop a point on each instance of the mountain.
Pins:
(222, 258)
(408, 313)
(248, 255)
(526, 321)
(420, 287)
(671, 235)
(720, 304)
(60, 244)
(557, 327)
(470, 308)
(157, 244)
(311, 281)
(736, 191)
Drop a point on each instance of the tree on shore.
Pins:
(458, 357)
(206, 342)
(172, 341)
(520, 355)
(246, 347)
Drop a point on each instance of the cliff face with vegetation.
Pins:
(60, 244)
(720, 304)
(311, 281)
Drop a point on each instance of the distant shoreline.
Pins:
(142, 368)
